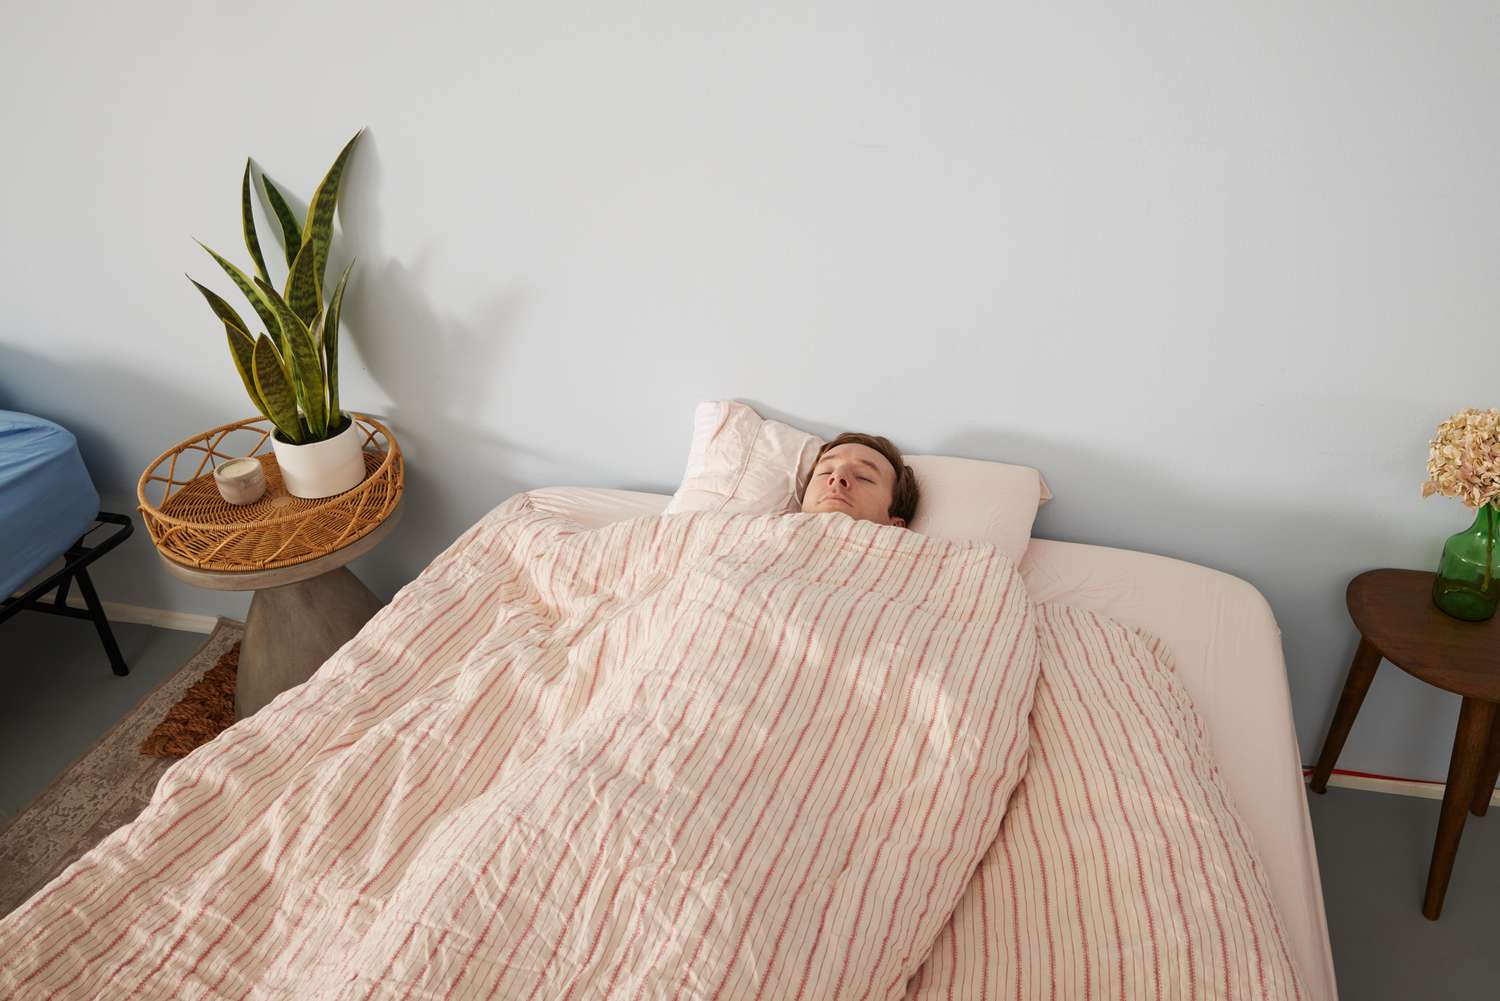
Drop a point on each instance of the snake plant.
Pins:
(291, 371)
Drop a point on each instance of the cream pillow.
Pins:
(741, 463)
(971, 500)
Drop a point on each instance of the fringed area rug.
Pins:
(204, 712)
(114, 779)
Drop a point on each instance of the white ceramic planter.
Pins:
(323, 468)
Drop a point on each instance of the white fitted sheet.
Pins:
(1227, 648)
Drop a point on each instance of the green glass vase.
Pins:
(1468, 585)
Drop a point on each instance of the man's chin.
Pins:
(829, 508)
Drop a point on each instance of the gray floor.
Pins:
(58, 694)
(1373, 848)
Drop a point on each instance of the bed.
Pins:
(1228, 653)
(50, 509)
(46, 496)
(413, 822)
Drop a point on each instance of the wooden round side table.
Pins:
(1396, 619)
(290, 551)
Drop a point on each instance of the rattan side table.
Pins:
(291, 552)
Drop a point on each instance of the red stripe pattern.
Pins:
(705, 756)
(1122, 870)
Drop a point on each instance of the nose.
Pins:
(837, 476)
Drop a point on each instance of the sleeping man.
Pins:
(865, 477)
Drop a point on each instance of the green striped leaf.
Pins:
(247, 219)
(307, 368)
(275, 389)
(291, 327)
(263, 307)
(318, 229)
(222, 309)
(304, 292)
(291, 229)
(329, 389)
(242, 348)
(331, 347)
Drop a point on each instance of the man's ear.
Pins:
(899, 522)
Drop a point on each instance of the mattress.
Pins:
(46, 497)
(1227, 649)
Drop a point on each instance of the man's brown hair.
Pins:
(904, 494)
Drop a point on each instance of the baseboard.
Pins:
(1389, 784)
(139, 614)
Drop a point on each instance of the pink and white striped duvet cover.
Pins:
(697, 757)
(1122, 870)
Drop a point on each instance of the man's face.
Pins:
(855, 480)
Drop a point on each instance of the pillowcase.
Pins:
(970, 500)
(741, 463)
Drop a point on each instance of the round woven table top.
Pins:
(194, 527)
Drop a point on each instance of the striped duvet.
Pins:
(1121, 871)
(705, 756)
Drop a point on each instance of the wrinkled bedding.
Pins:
(705, 756)
(1122, 869)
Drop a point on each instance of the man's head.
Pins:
(864, 476)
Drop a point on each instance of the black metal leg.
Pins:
(61, 600)
(96, 612)
(75, 561)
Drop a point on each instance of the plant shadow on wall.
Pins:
(437, 369)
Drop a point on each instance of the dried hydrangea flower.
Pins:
(1463, 460)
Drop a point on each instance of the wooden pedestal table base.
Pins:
(292, 629)
(299, 617)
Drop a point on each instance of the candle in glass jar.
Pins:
(240, 481)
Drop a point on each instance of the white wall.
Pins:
(1218, 270)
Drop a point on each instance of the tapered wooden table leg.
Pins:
(1361, 673)
(1489, 772)
(1474, 721)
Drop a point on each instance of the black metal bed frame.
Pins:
(75, 568)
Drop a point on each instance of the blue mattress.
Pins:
(46, 496)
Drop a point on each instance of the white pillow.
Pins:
(741, 463)
(970, 500)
